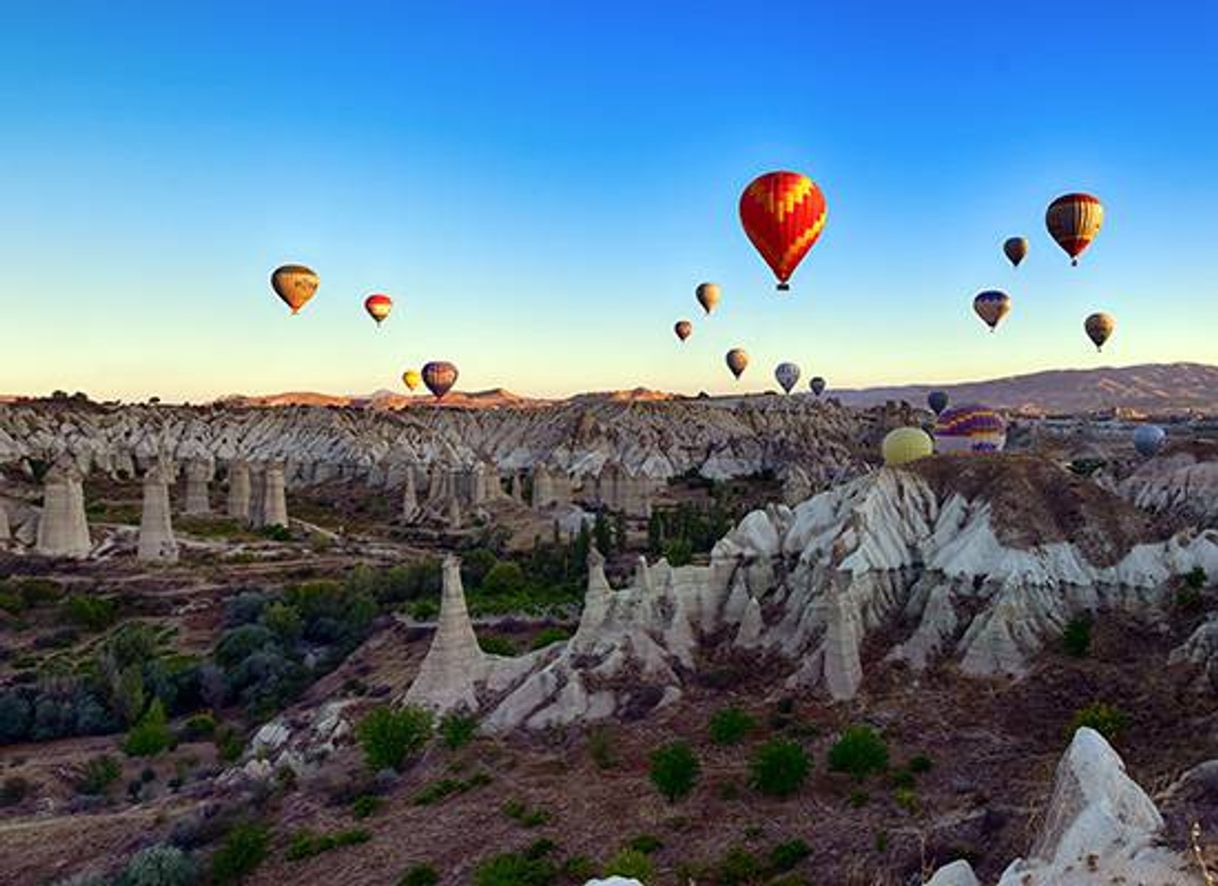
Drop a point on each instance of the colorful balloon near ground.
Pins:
(1148, 440)
(378, 305)
(1016, 249)
(991, 306)
(683, 328)
(970, 429)
(783, 214)
(737, 361)
(937, 401)
(1099, 328)
(787, 375)
(817, 385)
(295, 285)
(439, 376)
(1073, 221)
(412, 379)
(903, 445)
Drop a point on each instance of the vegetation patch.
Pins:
(306, 844)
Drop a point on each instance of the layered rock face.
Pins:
(550, 489)
(156, 541)
(237, 505)
(455, 663)
(5, 532)
(619, 490)
(272, 497)
(1100, 827)
(197, 475)
(63, 530)
(1183, 483)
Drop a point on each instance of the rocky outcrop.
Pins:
(156, 541)
(617, 489)
(197, 475)
(63, 530)
(549, 488)
(274, 504)
(455, 664)
(1183, 483)
(5, 532)
(410, 499)
(238, 503)
(1099, 827)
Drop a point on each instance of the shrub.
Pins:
(159, 866)
(505, 578)
(366, 805)
(515, 869)
(646, 844)
(457, 730)
(859, 798)
(785, 856)
(529, 818)
(674, 770)
(15, 717)
(229, 744)
(419, 875)
(906, 798)
(275, 532)
(1195, 579)
(14, 790)
(1108, 720)
(284, 622)
(730, 725)
(859, 752)
(306, 844)
(600, 746)
(496, 644)
(1076, 638)
(549, 635)
(630, 863)
(99, 773)
(424, 610)
(244, 608)
(920, 764)
(93, 613)
(199, 726)
(679, 552)
(151, 735)
(737, 867)
(243, 849)
(779, 767)
(388, 737)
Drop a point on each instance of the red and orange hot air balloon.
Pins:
(378, 305)
(1073, 221)
(783, 214)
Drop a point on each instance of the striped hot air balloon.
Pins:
(991, 306)
(1073, 221)
(439, 376)
(378, 305)
(295, 285)
(783, 214)
(787, 375)
(969, 429)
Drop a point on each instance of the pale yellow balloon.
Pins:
(412, 379)
(904, 445)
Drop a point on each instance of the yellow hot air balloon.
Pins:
(1099, 328)
(295, 284)
(737, 361)
(903, 445)
(412, 379)
(708, 295)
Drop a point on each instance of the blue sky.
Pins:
(541, 186)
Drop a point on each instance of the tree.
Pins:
(600, 530)
(860, 751)
(780, 767)
(621, 536)
(388, 737)
(674, 770)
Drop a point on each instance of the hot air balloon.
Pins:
(737, 361)
(295, 284)
(1073, 221)
(708, 296)
(1099, 328)
(683, 328)
(783, 213)
(1016, 249)
(991, 306)
(787, 375)
(937, 401)
(817, 385)
(439, 376)
(903, 445)
(1149, 439)
(968, 429)
(378, 306)
(412, 379)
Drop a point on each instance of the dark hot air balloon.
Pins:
(1016, 249)
(1073, 221)
(817, 385)
(1099, 328)
(295, 285)
(783, 214)
(787, 374)
(439, 376)
(683, 328)
(737, 361)
(991, 306)
(937, 401)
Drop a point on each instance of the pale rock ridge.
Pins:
(274, 509)
(410, 498)
(455, 664)
(237, 505)
(1178, 483)
(5, 532)
(63, 529)
(156, 541)
(197, 475)
(549, 489)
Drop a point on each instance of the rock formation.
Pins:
(238, 504)
(1100, 827)
(619, 490)
(197, 475)
(156, 542)
(63, 530)
(1183, 482)
(5, 533)
(549, 489)
(410, 499)
(274, 508)
(455, 663)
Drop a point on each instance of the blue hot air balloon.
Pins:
(937, 401)
(1149, 439)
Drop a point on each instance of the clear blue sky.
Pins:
(541, 186)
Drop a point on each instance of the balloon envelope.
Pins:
(439, 376)
(783, 214)
(412, 379)
(787, 375)
(1099, 328)
(1016, 249)
(991, 306)
(708, 295)
(1149, 439)
(378, 306)
(937, 401)
(969, 429)
(817, 385)
(903, 445)
(737, 361)
(295, 285)
(1073, 221)
(683, 328)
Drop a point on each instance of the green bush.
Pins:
(306, 844)
(496, 644)
(859, 798)
(151, 735)
(159, 866)
(920, 764)
(529, 818)
(275, 533)
(646, 844)
(549, 635)
(197, 726)
(504, 578)
(419, 875)
(229, 744)
(243, 849)
(738, 867)
(674, 770)
(780, 767)
(93, 613)
(906, 798)
(1195, 579)
(859, 753)
(730, 725)
(424, 610)
(679, 552)
(283, 621)
(457, 730)
(1076, 638)
(515, 869)
(630, 863)
(99, 773)
(366, 805)
(600, 746)
(389, 736)
(1108, 720)
(446, 787)
(785, 856)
